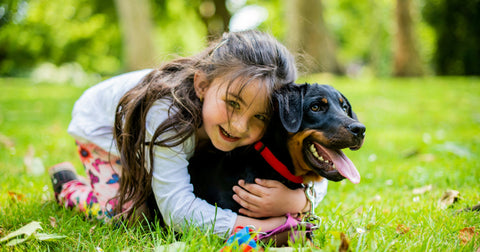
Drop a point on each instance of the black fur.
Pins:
(299, 107)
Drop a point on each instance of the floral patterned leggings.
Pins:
(95, 194)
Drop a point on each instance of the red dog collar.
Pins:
(276, 164)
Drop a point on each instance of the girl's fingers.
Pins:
(253, 188)
(268, 183)
(245, 204)
(245, 198)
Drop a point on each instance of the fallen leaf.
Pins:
(53, 221)
(6, 141)
(344, 244)
(26, 231)
(428, 157)
(48, 237)
(448, 198)
(92, 229)
(176, 246)
(422, 190)
(402, 229)
(16, 241)
(466, 234)
(16, 196)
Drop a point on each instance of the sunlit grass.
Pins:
(419, 132)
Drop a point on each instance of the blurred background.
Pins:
(80, 41)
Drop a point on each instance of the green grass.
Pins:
(419, 132)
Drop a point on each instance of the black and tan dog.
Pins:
(303, 143)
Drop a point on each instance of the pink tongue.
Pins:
(344, 165)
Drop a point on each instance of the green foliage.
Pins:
(86, 32)
(179, 30)
(363, 31)
(458, 35)
(59, 32)
(419, 132)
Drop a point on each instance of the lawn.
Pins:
(423, 139)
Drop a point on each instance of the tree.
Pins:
(58, 32)
(215, 16)
(307, 34)
(406, 60)
(456, 23)
(137, 31)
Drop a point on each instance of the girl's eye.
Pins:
(234, 104)
(261, 118)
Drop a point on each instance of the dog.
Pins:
(303, 142)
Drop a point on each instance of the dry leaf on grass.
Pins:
(402, 229)
(27, 232)
(6, 141)
(422, 190)
(173, 247)
(448, 198)
(466, 234)
(344, 243)
(16, 196)
(92, 229)
(53, 221)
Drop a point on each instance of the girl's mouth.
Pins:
(225, 135)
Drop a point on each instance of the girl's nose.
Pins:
(240, 124)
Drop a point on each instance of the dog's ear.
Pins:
(290, 106)
(350, 110)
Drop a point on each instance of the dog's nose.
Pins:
(357, 129)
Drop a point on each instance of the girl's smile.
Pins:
(227, 136)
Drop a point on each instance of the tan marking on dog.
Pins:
(324, 100)
(295, 147)
(341, 100)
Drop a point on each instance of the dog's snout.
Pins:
(357, 129)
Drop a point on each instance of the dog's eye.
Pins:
(345, 108)
(316, 107)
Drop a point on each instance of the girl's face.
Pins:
(233, 118)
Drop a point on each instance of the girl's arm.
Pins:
(266, 198)
(260, 224)
(171, 185)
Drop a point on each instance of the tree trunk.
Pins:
(137, 30)
(407, 60)
(308, 35)
(215, 16)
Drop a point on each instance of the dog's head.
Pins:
(320, 122)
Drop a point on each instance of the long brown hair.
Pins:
(246, 55)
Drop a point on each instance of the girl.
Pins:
(135, 133)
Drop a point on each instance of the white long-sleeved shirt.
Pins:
(93, 120)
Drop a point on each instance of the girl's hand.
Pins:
(267, 198)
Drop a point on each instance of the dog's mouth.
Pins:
(330, 163)
(312, 159)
